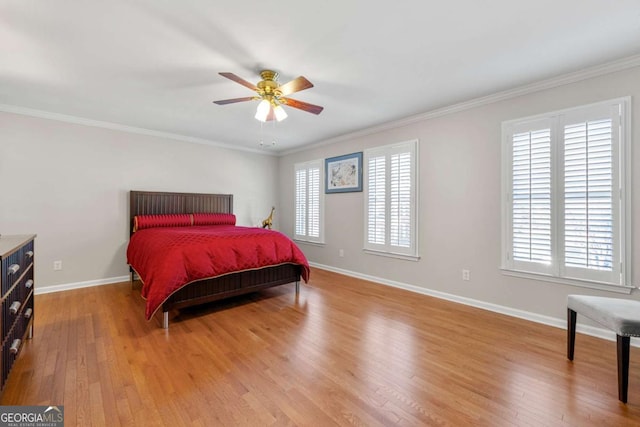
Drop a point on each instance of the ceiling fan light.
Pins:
(262, 111)
(280, 113)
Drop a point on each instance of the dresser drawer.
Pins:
(15, 337)
(12, 268)
(10, 350)
(23, 317)
(15, 300)
(25, 255)
(15, 264)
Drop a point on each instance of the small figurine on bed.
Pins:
(268, 223)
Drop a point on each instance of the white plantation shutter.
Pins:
(531, 193)
(588, 195)
(390, 198)
(376, 200)
(400, 200)
(301, 202)
(565, 211)
(308, 202)
(313, 200)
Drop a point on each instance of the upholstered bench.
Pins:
(620, 315)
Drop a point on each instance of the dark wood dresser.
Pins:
(16, 282)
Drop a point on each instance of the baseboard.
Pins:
(78, 285)
(526, 315)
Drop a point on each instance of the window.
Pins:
(309, 202)
(566, 181)
(390, 200)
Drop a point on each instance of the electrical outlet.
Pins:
(341, 252)
(465, 275)
(57, 265)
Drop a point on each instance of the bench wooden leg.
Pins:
(623, 367)
(571, 332)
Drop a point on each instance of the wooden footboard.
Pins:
(231, 285)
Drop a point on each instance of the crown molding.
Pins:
(565, 79)
(15, 109)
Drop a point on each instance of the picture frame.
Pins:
(343, 174)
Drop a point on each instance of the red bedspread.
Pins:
(168, 258)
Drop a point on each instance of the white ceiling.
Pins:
(154, 64)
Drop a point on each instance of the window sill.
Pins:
(308, 242)
(571, 282)
(392, 255)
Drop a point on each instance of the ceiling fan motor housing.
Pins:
(268, 87)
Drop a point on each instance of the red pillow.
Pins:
(141, 222)
(214, 219)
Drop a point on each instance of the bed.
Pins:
(182, 208)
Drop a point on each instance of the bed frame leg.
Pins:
(165, 320)
(297, 287)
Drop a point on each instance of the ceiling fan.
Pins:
(272, 95)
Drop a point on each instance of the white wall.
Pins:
(69, 184)
(459, 200)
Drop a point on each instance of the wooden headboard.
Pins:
(153, 202)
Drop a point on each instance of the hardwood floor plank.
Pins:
(342, 352)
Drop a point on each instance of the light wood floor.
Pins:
(344, 352)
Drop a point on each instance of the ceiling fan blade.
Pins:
(231, 101)
(295, 85)
(240, 80)
(305, 106)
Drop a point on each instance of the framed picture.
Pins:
(343, 173)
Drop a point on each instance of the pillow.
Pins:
(214, 219)
(141, 222)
